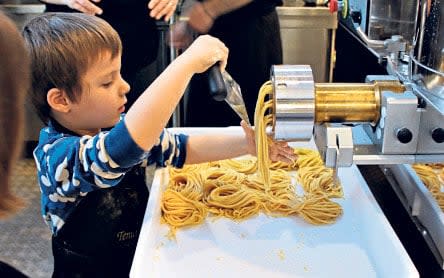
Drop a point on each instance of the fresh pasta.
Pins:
(241, 188)
(432, 176)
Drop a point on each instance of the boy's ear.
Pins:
(58, 100)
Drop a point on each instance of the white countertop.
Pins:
(360, 244)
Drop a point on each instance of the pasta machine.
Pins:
(401, 115)
(382, 121)
(391, 120)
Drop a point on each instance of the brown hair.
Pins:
(62, 47)
(14, 82)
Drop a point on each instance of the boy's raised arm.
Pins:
(148, 116)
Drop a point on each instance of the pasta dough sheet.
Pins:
(360, 244)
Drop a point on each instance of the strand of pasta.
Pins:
(228, 193)
(432, 180)
(241, 188)
(260, 123)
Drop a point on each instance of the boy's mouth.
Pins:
(122, 109)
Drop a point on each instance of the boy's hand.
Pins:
(84, 6)
(277, 150)
(205, 51)
(161, 8)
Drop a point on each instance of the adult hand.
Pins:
(199, 22)
(181, 35)
(160, 8)
(200, 18)
(84, 6)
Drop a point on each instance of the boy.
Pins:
(92, 182)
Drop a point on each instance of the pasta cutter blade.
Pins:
(234, 97)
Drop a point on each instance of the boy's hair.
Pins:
(14, 83)
(62, 47)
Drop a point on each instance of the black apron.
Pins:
(99, 238)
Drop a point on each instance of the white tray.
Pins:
(360, 244)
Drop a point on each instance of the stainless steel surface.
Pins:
(398, 111)
(176, 118)
(392, 17)
(316, 2)
(432, 117)
(335, 145)
(234, 97)
(33, 8)
(22, 11)
(365, 152)
(416, 58)
(429, 51)
(308, 35)
(380, 19)
(294, 103)
(421, 204)
(394, 129)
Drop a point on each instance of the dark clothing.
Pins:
(8, 271)
(252, 34)
(255, 9)
(99, 239)
(139, 35)
(94, 195)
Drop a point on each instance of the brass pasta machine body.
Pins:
(299, 103)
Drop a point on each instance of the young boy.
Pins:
(92, 181)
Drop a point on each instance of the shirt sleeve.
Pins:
(70, 166)
(170, 150)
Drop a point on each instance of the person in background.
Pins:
(92, 181)
(135, 22)
(250, 29)
(14, 83)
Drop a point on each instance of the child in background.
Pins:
(92, 181)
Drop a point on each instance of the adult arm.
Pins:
(84, 6)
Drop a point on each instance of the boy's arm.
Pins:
(205, 148)
(148, 116)
(212, 147)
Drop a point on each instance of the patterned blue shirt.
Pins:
(70, 166)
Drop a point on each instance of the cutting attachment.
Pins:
(223, 87)
(234, 97)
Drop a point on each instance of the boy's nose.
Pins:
(125, 87)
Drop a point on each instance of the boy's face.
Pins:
(103, 96)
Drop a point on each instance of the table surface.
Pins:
(360, 244)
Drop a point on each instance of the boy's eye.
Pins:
(107, 84)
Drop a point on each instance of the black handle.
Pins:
(216, 83)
